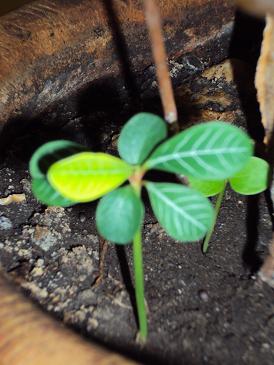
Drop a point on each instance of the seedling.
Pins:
(252, 179)
(64, 173)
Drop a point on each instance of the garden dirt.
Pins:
(202, 309)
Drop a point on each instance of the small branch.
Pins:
(103, 247)
(154, 25)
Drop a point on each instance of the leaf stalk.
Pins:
(216, 213)
(136, 178)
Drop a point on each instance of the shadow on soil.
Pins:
(245, 45)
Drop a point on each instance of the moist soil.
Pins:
(202, 309)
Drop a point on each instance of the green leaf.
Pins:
(87, 176)
(184, 213)
(208, 151)
(49, 153)
(252, 179)
(119, 215)
(207, 188)
(139, 136)
(47, 195)
(40, 162)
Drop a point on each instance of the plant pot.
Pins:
(78, 72)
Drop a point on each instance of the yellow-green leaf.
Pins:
(40, 162)
(87, 176)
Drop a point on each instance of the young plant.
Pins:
(251, 179)
(64, 173)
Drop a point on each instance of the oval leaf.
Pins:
(209, 151)
(49, 153)
(184, 213)
(252, 179)
(87, 176)
(139, 136)
(119, 215)
(47, 195)
(40, 162)
(207, 188)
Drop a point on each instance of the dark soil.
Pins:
(202, 308)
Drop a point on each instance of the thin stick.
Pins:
(216, 213)
(154, 25)
(103, 247)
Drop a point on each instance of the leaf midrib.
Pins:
(178, 155)
(172, 205)
(92, 172)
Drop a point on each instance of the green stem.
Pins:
(138, 270)
(216, 213)
(139, 285)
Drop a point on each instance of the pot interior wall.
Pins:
(10, 5)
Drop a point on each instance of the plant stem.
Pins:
(139, 271)
(216, 213)
(139, 285)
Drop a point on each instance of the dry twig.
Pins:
(102, 257)
(154, 25)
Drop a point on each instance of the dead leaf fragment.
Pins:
(265, 93)
(266, 273)
(257, 7)
(265, 78)
(13, 198)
